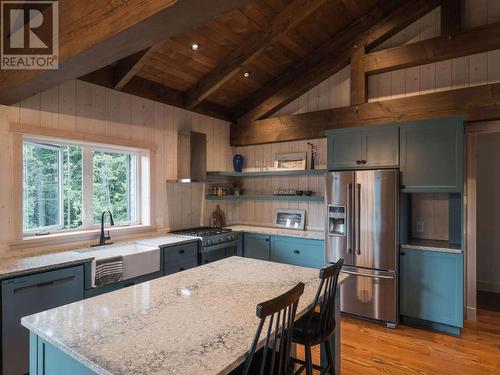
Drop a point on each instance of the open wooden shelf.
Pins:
(304, 172)
(312, 198)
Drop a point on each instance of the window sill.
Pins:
(80, 238)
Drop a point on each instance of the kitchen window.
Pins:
(67, 186)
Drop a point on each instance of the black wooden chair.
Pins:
(274, 358)
(318, 325)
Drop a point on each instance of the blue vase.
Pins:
(238, 162)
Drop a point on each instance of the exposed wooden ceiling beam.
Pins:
(94, 34)
(477, 40)
(155, 91)
(353, 8)
(451, 17)
(129, 66)
(359, 91)
(479, 103)
(401, 17)
(335, 54)
(291, 16)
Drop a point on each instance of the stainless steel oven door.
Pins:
(217, 252)
(370, 294)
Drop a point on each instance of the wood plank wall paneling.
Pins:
(262, 212)
(445, 75)
(84, 107)
(335, 92)
(432, 210)
(467, 71)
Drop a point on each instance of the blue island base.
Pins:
(46, 359)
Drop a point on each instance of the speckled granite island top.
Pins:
(199, 321)
(311, 234)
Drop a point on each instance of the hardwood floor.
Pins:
(370, 349)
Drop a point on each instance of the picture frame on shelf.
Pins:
(290, 219)
(290, 161)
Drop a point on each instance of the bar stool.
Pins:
(318, 325)
(274, 358)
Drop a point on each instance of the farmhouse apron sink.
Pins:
(138, 260)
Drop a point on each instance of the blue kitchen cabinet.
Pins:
(363, 147)
(344, 149)
(46, 359)
(257, 246)
(93, 292)
(28, 295)
(431, 288)
(180, 257)
(298, 251)
(432, 155)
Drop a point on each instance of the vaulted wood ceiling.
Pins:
(267, 38)
(144, 48)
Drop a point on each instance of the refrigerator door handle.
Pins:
(373, 276)
(358, 218)
(350, 220)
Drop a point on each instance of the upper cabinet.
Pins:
(344, 149)
(361, 148)
(432, 155)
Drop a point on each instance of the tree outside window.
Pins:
(54, 182)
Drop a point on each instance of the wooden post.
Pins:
(358, 76)
(451, 17)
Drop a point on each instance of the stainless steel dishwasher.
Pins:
(28, 295)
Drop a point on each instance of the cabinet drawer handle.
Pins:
(182, 269)
(402, 254)
(44, 284)
(363, 161)
(181, 251)
(296, 252)
(358, 161)
(267, 239)
(402, 186)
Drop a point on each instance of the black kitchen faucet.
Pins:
(103, 238)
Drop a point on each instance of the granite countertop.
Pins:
(23, 264)
(166, 240)
(200, 321)
(312, 234)
(432, 245)
(13, 266)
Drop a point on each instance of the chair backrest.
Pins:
(281, 313)
(324, 319)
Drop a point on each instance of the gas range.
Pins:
(210, 236)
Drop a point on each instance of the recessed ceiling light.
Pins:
(195, 46)
(246, 74)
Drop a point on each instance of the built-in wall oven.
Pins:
(216, 243)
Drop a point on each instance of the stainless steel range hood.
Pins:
(191, 157)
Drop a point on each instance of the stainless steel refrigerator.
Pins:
(362, 228)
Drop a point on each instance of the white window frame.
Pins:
(88, 160)
(140, 188)
(61, 189)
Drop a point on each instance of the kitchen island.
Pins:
(200, 321)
